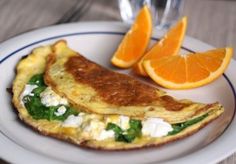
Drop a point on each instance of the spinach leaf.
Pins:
(35, 108)
(117, 130)
(134, 130)
(114, 127)
(69, 111)
(38, 90)
(181, 126)
(136, 125)
(37, 80)
(130, 134)
(195, 120)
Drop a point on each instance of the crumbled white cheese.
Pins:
(106, 134)
(94, 128)
(124, 122)
(90, 125)
(73, 121)
(94, 125)
(50, 98)
(156, 127)
(60, 111)
(27, 91)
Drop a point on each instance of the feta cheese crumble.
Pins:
(94, 128)
(90, 125)
(124, 122)
(156, 127)
(60, 111)
(50, 98)
(106, 134)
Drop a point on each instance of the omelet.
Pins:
(60, 93)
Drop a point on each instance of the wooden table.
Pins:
(212, 21)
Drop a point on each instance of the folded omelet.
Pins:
(60, 93)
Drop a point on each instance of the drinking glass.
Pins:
(164, 12)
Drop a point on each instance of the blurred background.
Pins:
(211, 21)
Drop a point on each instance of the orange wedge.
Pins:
(169, 45)
(135, 42)
(188, 71)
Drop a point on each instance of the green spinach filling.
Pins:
(135, 129)
(38, 110)
(128, 135)
(181, 126)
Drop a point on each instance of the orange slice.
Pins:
(135, 42)
(188, 71)
(170, 44)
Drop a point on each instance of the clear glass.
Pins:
(164, 12)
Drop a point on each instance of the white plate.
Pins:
(97, 41)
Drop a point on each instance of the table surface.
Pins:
(212, 21)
